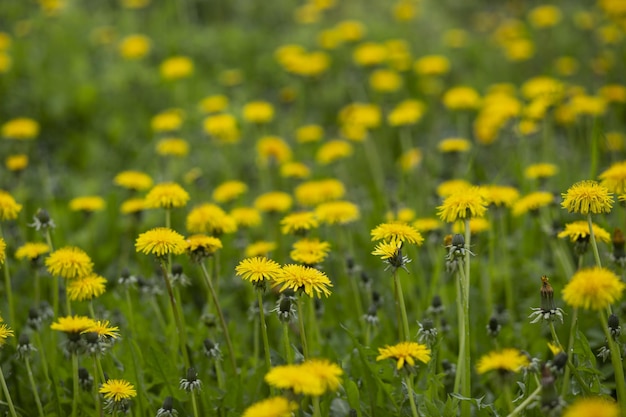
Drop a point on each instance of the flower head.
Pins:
(117, 390)
(8, 207)
(72, 324)
(593, 288)
(273, 202)
(461, 98)
(505, 360)
(532, 202)
(5, 333)
(260, 248)
(405, 353)
(542, 170)
(337, 212)
(133, 180)
(87, 203)
(20, 129)
(246, 216)
(134, 47)
(593, 406)
(500, 195)
(427, 224)
(463, 204)
(328, 373)
(311, 281)
(133, 206)
(103, 329)
(16, 163)
(454, 145)
(298, 223)
(176, 67)
(271, 407)
(210, 218)
(172, 147)
(587, 197)
(167, 195)
(313, 193)
(161, 241)
(579, 230)
(258, 269)
(201, 246)
(614, 178)
(313, 377)
(258, 112)
(86, 287)
(397, 232)
(309, 251)
(69, 262)
(229, 190)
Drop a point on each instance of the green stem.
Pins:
(33, 387)
(618, 365)
(229, 344)
(286, 344)
(314, 333)
(466, 388)
(96, 380)
(526, 402)
(182, 335)
(409, 389)
(266, 343)
(37, 286)
(305, 347)
(219, 374)
(194, 404)
(592, 239)
(7, 394)
(400, 301)
(461, 324)
(75, 384)
(131, 316)
(570, 351)
(508, 397)
(316, 407)
(554, 335)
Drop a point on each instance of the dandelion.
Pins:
(211, 219)
(405, 354)
(313, 193)
(461, 98)
(463, 204)
(309, 280)
(117, 390)
(16, 163)
(167, 195)
(87, 204)
(309, 251)
(167, 121)
(397, 232)
(86, 287)
(271, 407)
(258, 269)
(229, 191)
(432, 65)
(202, 246)
(593, 406)
(5, 333)
(133, 206)
(295, 170)
(176, 67)
(447, 188)
(214, 104)
(406, 113)
(103, 329)
(133, 180)
(587, 197)
(614, 178)
(273, 202)
(260, 248)
(427, 224)
(161, 241)
(69, 262)
(246, 216)
(9, 209)
(593, 288)
(309, 133)
(293, 378)
(172, 147)
(579, 230)
(500, 195)
(337, 212)
(332, 151)
(20, 129)
(298, 223)
(72, 325)
(532, 202)
(454, 145)
(134, 47)
(328, 373)
(272, 149)
(258, 112)
(503, 361)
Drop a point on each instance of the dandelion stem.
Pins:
(466, 389)
(7, 394)
(316, 407)
(569, 351)
(286, 344)
(554, 335)
(305, 348)
(33, 386)
(616, 359)
(194, 404)
(75, 384)
(592, 239)
(508, 397)
(409, 389)
(266, 343)
(182, 335)
(96, 380)
(526, 402)
(219, 374)
(400, 300)
(231, 351)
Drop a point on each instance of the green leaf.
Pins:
(353, 396)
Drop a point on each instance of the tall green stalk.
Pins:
(405, 321)
(33, 387)
(409, 389)
(305, 346)
(266, 343)
(182, 334)
(616, 359)
(7, 394)
(466, 388)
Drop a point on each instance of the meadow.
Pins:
(316, 208)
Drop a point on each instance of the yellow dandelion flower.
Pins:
(160, 241)
(16, 163)
(167, 121)
(311, 281)
(403, 215)
(258, 269)
(385, 81)
(229, 191)
(134, 47)
(328, 373)
(451, 145)
(405, 354)
(117, 390)
(87, 203)
(447, 188)
(397, 232)
(211, 219)
(312, 193)
(407, 112)
(214, 104)
(554, 348)
(167, 195)
(260, 248)
(614, 178)
(272, 149)
(587, 197)
(477, 225)
(369, 54)
(293, 378)
(9, 209)
(410, 159)
(69, 262)
(3, 254)
(223, 127)
(309, 133)
(298, 223)
(532, 202)
(5, 333)
(273, 202)
(387, 250)
(201, 246)
(133, 180)
(295, 170)
(593, 406)
(86, 287)
(505, 360)
(271, 407)
(461, 98)
(309, 251)
(133, 206)
(361, 114)
(332, 151)
(500, 195)
(176, 67)
(432, 65)
(544, 16)
(258, 112)
(20, 128)
(337, 212)
(593, 288)
(427, 224)
(580, 230)
(104, 329)
(72, 324)
(466, 203)
(246, 216)
(172, 147)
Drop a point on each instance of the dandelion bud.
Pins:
(614, 326)
(24, 347)
(376, 298)
(34, 318)
(550, 400)
(494, 327)
(42, 220)
(365, 279)
(167, 409)
(371, 317)
(436, 306)
(211, 350)
(191, 382)
(547, 294)
(427, 332)
(350, 264)
(559, 361)
(286, 310)
(458, 240)
(84, 379)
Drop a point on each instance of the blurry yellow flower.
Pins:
(295, 170)
(399, 54)
(615, 141)
(593, 288)
(86, 287)
(361, 114)
(541, 170)
(427, 224)
(614, 178)
(610, 34)
(500, 195)
(410, 159)
(214, 104)
(246, 216)
(223, 127)
(229, 191)
(134, 47)
(16, 163)
(403, 215)
(273, 150)
(566, 65)
(231, 77)
(9, 209)
(544, 16)
(404, 10)
(544, 87)
(167, 195)
(332, 151)
(327, 373)
(310, 281)
(455, 38)
(477, 225)
(613, 93)
(503, 361)
(369, 54)
(271, 407)
(461, 98)
(258, 112)
(407, 112)
(134, 4)
(103, 329)
(312, 193)
(432, 65)
(579, 230)
(588, 105)
(447, 188)
(87, 203)
(193, 175)
(201, 246)
(133, 206)
(273, 202)
(5, 41)
(385, 81)
(337, 212)
(405, 354)
(20, 128)
(133, 180)
(69, 262)
(309, 251)
(584, 20)
(260, 248)
(466, 203)
(51, 7)
(586, 197)
(452, 145)
(351, 30)
(298, 223)
(592, 406)
(172, 147)
(329, 39)
(309, 133)
(176, 67)
(397, 232)
(532, 202)
(211, 219)
(167, 121)
(31, 251)
(160, 241)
